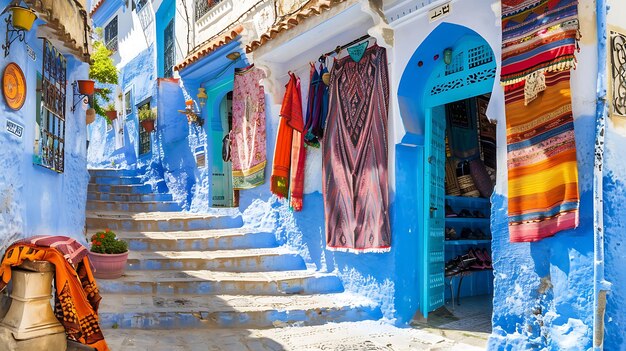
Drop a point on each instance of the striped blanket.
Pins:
(537, 35)
(539, 39)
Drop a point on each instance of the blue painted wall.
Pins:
(33, 199)
(615, 234)
(163, 17)
(139, 75)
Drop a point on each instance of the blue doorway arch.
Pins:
(427, 84)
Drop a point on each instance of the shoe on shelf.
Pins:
(450, 212)
(450, 234)
(478, 214)
(466, 233)
(465, 214)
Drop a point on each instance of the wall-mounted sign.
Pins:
(15, 129)
(200, 154)
(14, 86)
(439, 12)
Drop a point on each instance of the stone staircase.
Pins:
(190, 271)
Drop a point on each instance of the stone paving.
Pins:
(348, 336)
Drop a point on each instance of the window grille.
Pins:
(52, 85)
(110, 35)
(144, 137)
(204, 6)
(618, 73)
(169, 55)
(139, 4)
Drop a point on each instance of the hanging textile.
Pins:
(462, 133)
(543, 176)
(537, 35)
(76, 294)
(354, 169)
(317, 106)
(288, 168)
(298, 153)
(247, 138)
(539, 39)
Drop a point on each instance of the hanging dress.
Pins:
(247, 138)
(356, 197)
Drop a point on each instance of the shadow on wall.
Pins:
(177, 162)
(377, 276)
(615, 236)
(543, 294)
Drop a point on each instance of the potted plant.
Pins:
(103, 71)
(23, 17)
(86, 86)
(90, 116)
(110, 112)
(108, 255)
(146, 118)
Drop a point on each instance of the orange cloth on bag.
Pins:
(77, 296)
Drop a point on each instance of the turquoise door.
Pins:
(222, 194)
(432, 274)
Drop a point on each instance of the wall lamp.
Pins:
(202, 97)
(447, 56)
(19, 21)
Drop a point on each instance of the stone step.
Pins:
(143, 206)
(244, 260)
(197, 240)
(361, 335)
(98, 196)
(113, 172)
(160, 221)
(121, 189)
(233, 311)
(115, 180)
(212, 282)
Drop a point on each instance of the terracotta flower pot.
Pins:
(86, 87)
(23, 18)
(108, 266)
(111, 115)
(90, 115)
(148, 125)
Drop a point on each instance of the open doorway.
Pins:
(443, 97)
(222, 192)
(470, 174)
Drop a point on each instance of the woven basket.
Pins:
(452, 183)
(466, 183)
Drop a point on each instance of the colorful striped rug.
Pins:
(539, 40)
(537, 35)
(543, 174)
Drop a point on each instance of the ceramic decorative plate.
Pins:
(14, 86)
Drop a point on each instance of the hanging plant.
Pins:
(103, 71)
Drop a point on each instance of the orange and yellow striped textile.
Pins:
(541, 154)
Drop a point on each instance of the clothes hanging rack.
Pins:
(339, 48)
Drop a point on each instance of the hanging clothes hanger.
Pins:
(341, 47)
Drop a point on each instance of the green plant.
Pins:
(106, 242)
(146, 114)
(110, 107)
(103, 71)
